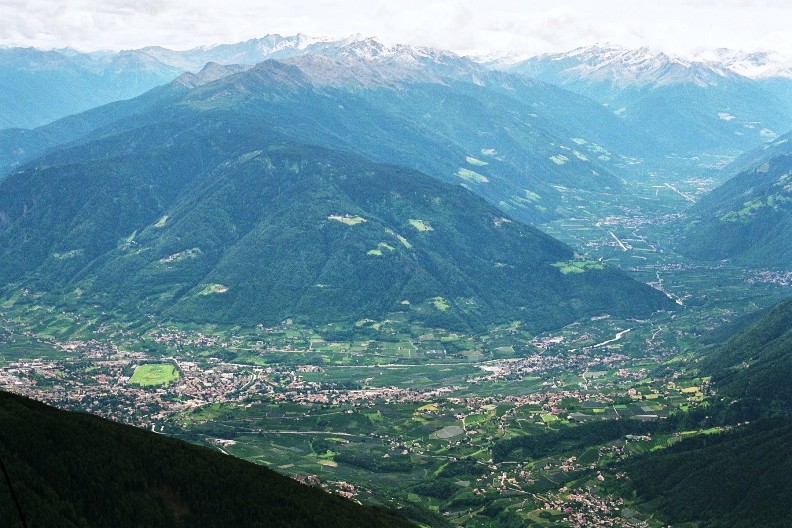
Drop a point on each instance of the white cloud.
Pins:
(529, 25)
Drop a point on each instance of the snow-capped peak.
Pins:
(624, 66)
(751, 64)
(496, 58)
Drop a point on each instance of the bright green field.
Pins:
(154, 374)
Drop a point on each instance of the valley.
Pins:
(473, 293)
(425, 420)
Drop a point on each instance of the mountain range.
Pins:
(716, 103)
(691, 107)
(207, 207)
(339, 182)
(525, 146)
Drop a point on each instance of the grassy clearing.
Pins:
(420, 225)
(476, 162)
(154, 374)
(559, 159)
(126, 242)
(380, 249)
(347, 219)
(68, 254)
(400, 238)
(248, 156)
(578, 266)
(752, 206)
(440, 303)
(471, 176)
(213, 288)
(162, 221)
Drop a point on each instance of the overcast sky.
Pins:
(678, 26)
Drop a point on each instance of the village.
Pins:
(332, 415)
(97, 377)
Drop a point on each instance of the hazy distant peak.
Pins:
(33, 59)
(279, 70)
(212, 71)
(644, 65)
(372, 49)
(369, 62)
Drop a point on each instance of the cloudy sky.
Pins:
(678, 26)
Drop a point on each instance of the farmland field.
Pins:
(154, 374)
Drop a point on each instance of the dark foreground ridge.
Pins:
(753, 369)
(70, 469)
(735, 480)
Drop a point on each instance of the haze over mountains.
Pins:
(41, 86)
(728, 95)
(528, 133)
(519, 143)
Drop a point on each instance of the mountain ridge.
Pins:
(220, 238)
(749, 217)
(753, 368)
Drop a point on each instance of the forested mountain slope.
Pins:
(220, 220)
(748, 218)
(736, 479)
(70, 469)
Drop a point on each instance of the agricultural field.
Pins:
(390, 413)
(447, 456)
(152, 374)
